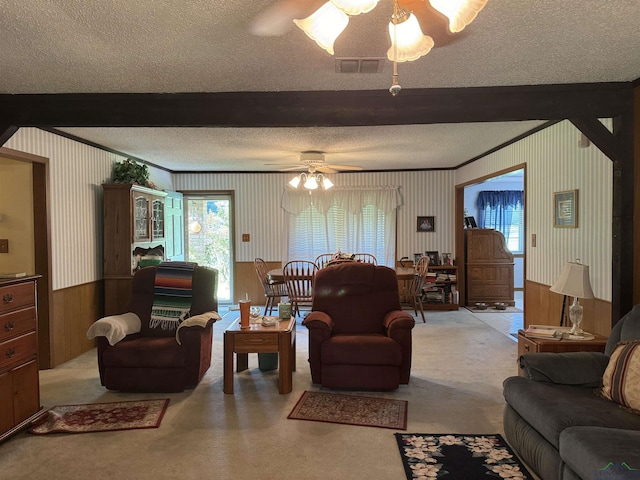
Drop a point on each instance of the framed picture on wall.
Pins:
(565, 209)
(426, 224)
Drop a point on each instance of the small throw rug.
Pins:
(351, 410)
(458, 457)
(102, 417)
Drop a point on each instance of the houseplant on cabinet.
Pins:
(129, 171)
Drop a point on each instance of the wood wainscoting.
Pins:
(543, 307)
(74, 310)
(245, 280)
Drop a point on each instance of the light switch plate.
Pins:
(4, 245)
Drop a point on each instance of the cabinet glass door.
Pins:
(141, 222)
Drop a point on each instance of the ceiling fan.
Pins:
(314, 161)
(437, 18)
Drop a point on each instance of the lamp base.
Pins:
(575, 315)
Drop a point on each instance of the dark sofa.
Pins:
(557, 423)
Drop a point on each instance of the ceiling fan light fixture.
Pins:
(324, 25)
(408, 43)
(295, 181)
(459, 12)
(355, 7)
(326, 183)
(311, 183)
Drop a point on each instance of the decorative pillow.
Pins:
(621, 379)
(115, 327)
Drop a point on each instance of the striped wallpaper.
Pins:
(556, 163)
(258, 211)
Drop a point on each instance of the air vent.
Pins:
(360, 65)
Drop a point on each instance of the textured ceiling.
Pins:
(205, 46)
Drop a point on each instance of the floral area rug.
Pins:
(351, 410)
(458, 457)
(102, 417)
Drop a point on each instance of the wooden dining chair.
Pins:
(298, 277)
(323, 259)
(366, 258)
(272, 289)
(415, 290)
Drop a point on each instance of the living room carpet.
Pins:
(509, 309)
(102, 417)
(351, 410)
(458, 457)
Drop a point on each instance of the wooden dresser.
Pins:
(19, 381)
(488, 267)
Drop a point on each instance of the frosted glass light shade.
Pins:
(459, 12)
(355, 7)
(326, 183)
(411, 43)
(311, 183)
(295, 181)
(324, 25)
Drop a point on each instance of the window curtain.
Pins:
(495, 209)
(349, 219)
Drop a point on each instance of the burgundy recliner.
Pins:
(359, 337)
(152, 360)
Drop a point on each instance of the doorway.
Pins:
(209, 237)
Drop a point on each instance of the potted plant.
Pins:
(129, 171)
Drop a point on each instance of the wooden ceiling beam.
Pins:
(6, 132)
(310, 109)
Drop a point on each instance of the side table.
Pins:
(280, 338)
(536, 345)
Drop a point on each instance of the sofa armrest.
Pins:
(318, 320)
(397, 319)
(571, 368)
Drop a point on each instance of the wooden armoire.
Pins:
(488, 267)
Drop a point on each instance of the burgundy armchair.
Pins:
(359, 337)
(153, 360)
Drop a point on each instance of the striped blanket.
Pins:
(172, 294)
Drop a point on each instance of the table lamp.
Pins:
(573, 281)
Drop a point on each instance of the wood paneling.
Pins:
(246, 281)
(543, 307)
(74, 310)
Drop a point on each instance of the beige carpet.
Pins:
(459, 363)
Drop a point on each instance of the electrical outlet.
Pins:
(246, 237)
(4, 245)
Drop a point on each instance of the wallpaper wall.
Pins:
(556, 163)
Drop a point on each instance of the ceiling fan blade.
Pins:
(326, 169)
(345, 167)
(278, 18)
(292, 169)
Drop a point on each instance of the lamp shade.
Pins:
(573, 281)
(355, 7)
(459, 12)
(324, 25)
(408, 43)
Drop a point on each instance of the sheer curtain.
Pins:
(347, 219)
(496, 208)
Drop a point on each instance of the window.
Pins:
(503, 210)
(351, 221)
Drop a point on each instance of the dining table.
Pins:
(403, 273)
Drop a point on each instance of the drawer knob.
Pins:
(10, 352)
(7, 298)
(8, 326)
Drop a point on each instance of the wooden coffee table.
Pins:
(280, 338)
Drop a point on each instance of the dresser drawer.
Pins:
(18, 349)
(13, 297)
(17, 323)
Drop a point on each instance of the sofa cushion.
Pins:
(361, 350)
(587, 450)
(156, 352)
(621, 379)
(551, 408)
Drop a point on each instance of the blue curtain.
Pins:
(500, 205)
